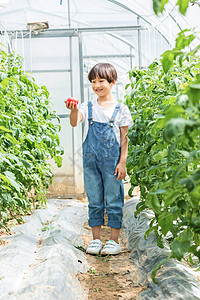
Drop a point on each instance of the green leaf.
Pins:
(11, 138)
(4, 215)
(181, 60)
(174, 111)
(160, 123)
(196, 176)
(154, 204)
(183, 6)
(195, 197)
(161, 154)
(160, 241)
(46, 92)
(170, 198)
(3, 128)
(25, 80)
(182, 41)
(5, 83)
(58, 160)
(12, 179)
(26, 163)
(184, 153)
(158, 6)
(194, 94)
(157, 192)
(167, 60)
(188, 183)
(176, 126)
(127, 86)
(48, 141)
(186, 235)
(179, 248)
(165, 220)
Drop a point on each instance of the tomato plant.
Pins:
(164, 146)
(28, 138)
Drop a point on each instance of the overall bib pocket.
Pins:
(109, 139)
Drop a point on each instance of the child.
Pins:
(105, 150)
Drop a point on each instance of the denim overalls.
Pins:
(101, 153)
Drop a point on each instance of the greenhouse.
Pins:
(47, 51)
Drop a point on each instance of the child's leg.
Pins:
(114, 234)
(96, 232)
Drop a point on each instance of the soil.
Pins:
(110, 277)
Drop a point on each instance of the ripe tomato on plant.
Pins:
(72, 100)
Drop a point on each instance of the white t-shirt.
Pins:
(103, 115)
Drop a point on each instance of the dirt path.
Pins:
(110, 277)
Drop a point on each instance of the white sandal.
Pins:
(94, 247)
(111, 247)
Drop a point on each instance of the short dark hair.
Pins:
(103, 70)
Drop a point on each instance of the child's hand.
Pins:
(120, 171)
(72, 103)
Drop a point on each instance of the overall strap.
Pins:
(90, 118)
(112, 120)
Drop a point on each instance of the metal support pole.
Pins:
(30, 50)
(80, 41)
(70, 48)
(139, 44)
(71, 90)
(81, 66)
(131, 58)
(117, 92)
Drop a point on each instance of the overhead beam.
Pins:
(73, 32)
(49, 71)
(109, 56)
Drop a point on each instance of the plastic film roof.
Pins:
(92, 13)
(124, 48)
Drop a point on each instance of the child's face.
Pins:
(101, 86)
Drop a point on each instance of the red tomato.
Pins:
(72, 100)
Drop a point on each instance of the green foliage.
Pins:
(169, 56)
(159, 5)
(27, 139)
(164, 146)
(183, 5)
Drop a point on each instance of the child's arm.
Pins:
(75, 115)
(121, 167)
